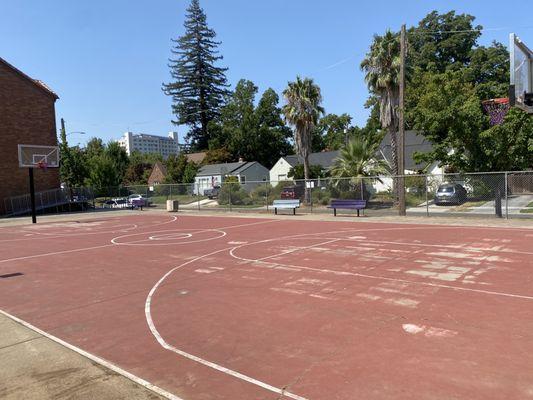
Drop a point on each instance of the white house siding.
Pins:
(279, 172)
(202, 183)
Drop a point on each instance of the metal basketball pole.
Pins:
(32, 197)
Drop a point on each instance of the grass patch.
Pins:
(526, 210)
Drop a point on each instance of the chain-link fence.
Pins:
(498, 194)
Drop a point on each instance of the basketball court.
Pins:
(257, 308)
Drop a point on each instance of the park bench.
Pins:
(348, 204)
(286, 205)
(137, 204)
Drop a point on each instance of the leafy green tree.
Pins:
(189, 173)
(442, 41)
(175, 166)
(217, 156)
(335, 130)
(358, 159)
(199, 86)
(253, 133)
(382, 66)
(94, 148)
(446, 109)
(509, 146)
(103, 174)
(72, 166)
(303, 111)
(315, 172)
(119, 159)
(272, 133)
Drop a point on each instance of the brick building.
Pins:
(158, 174)
(27, 116)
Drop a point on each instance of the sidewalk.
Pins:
(35, 367)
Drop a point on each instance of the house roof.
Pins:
(414, 142)
(161, 167)
(39, 84)
(324, 158)
(225, 169)
(196, 157)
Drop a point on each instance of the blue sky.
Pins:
(107, 59)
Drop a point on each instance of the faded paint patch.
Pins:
(428, 331)
(404, 302)
(368, 296)
(204, 271)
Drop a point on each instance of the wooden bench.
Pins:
(347, 205)
(286, 205)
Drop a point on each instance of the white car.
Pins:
(145, 201)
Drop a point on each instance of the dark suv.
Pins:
(450, 193)
(212, 193)
(292, 192)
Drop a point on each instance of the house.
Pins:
(196, 158)
(250, 174)
(158, 174)
(280, 170)
(27, 116)
(414, 143)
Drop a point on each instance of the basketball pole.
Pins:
(401, 127)
(32, 197)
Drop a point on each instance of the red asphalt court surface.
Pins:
(241, 308)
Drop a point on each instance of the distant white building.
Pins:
(144, 143)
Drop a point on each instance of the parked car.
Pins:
(139, 199)
(450, 193)
(116, 203)
(292, 192)
(212, 193)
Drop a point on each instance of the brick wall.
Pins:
(157, 175)
(27, 116)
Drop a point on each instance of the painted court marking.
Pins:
(96, 359)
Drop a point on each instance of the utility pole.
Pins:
(401, 127)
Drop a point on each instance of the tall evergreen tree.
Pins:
(199, 86)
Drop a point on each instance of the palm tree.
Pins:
(302, 111)
(382, 69)
(357, 159)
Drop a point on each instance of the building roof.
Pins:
(196, 157)
(414, 142)
(225, 169)
(37, 83)
(324, 158)
(161, 167)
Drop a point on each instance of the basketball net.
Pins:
(496, 109)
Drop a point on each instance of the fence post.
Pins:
(230, 190)
(506, 198)
(266, 194)
(170, 192)
(427, 197)
(198, 193)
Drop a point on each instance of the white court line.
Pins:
(148, 243)
(96, 359)
(202, 361)
(347, 273)
(56, 253)
(164, 344)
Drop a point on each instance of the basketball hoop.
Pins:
(42, 165)
(496, 109)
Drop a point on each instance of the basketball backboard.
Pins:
(35, 156)
(521, 71)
